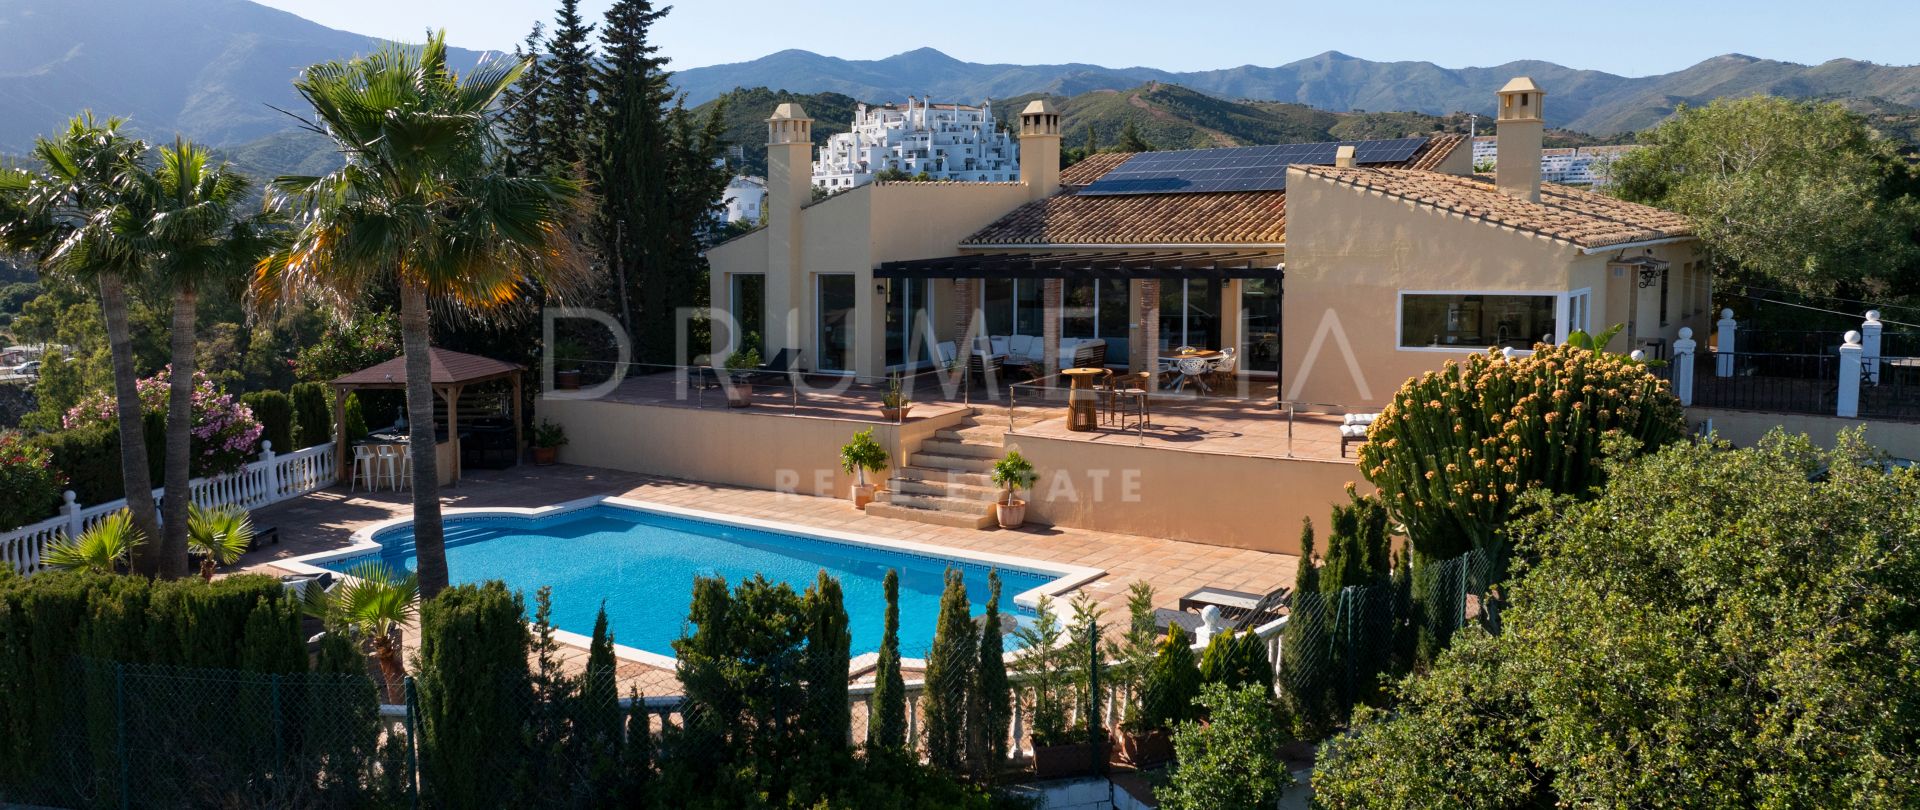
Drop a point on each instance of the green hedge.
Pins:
(275, 412)
(312, 415)
(475, 693)
(90, 457)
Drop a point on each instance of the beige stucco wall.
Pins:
(1744, 428)
(749, 447)
(1217, 499)
(1351, 252)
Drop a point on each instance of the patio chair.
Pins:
(1195, 369)
(784, 364)
(1223, 369)
(1138, 388)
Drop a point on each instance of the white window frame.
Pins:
(1564, 312)
(1400, 324)
(819, 350)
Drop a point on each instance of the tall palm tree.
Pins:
(423, 204)
(193, 239)
(69, 216)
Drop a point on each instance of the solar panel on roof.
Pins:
(1240, 168)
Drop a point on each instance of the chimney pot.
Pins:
(1522, 129)
(1343, 157)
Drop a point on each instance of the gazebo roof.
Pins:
(449, 368)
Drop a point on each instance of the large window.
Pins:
(909, 321)
(1260, 324)
(1013, 306)
(834, 319)
(1190, 314)
(1471, 321)
(749, 310)
(1097, 309)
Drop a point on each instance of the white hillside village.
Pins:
(943, 141)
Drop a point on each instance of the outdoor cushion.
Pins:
(942, 352)
(1024, 346)
(997, 344)
(1353, 431)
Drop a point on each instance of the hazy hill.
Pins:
(207, 68)
(1584, 100)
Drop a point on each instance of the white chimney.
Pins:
(1343, 157)
(1521, 127)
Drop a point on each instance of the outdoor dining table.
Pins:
(1173, 363)
(1083, 412)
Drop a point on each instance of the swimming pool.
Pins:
(640, 560)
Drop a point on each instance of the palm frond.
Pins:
(222, 532)
(102, 548)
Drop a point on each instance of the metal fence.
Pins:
(1758, 381)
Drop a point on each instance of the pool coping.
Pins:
(1066, 577)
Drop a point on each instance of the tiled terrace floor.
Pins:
(327, 520)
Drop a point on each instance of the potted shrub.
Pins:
(895, 404)
(740, 386)
(566, 359)
(1014, 474)
(548, 438)
(1060, 749)
(858, 456)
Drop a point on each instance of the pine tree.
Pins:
(568, 97)
(887, 723)
(1304, 660)
(824, 718)
(522, 106)
(1131, 140)
(1172, 682)
(1093, 141)
(1359, 597)
(989, 705)
(949, 669)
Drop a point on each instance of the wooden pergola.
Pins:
(452, 372)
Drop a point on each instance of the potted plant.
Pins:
(1167, 693)
(1060, 748)
(548, 438)
(858, 456)
(566, 359)
(1014, 474)
(895, 404)
(740, 387)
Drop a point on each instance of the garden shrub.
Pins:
(1232, 762)
(356, 419)
(474, 690)
(989, 702)
(1237, 659)
(29, 485)
(89, 457)
(225, 432)
(312, 415)
(949, 672)
(829, 646)
(1172, 683)
(274, 410)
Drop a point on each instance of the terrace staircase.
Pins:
(947, 482)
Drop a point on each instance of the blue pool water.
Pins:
(642, 565)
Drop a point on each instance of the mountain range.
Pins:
(1583, 100)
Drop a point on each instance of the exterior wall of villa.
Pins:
(1237, 501)
(763, 450)
(1351, 253)
(1746, 428)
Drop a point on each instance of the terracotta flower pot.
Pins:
(1011, 513)
(545, 456)
(1062, 761)
(1146, 749)
(896, 414)
(862, 495)
(740, 395)
(568, 380)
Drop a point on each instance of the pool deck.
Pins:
(326, 520)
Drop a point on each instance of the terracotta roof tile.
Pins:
(1236, 217)
(1584, 218)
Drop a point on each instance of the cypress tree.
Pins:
(473, 694)
(1305, 662)
(989, 705)
(636, 756)
(521, 108)
(949, 666)
(887, 721)
(1093, 141)
(1131, 140)
(566, 102)
(633, 168)
(1171, 684)
(824, 717)
(597, 726)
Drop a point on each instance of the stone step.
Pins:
(956, 463)
(943, 489)
(940, 504)
(988, 434)
(962, 448)
(936, 475)
(958, 520)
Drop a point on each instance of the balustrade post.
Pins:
(273, 472)
(1848, 400)
(72, 510)
(1870, 346)
(1723, 354)
(1683, 366)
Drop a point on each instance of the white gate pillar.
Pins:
(1870, 345)
(1683, 366)
(1723, 355)
(1849, 397)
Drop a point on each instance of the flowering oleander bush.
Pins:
(29, 485)
(225, 432)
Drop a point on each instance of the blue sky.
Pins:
(1632, 38)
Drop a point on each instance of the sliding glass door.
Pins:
(1097, 309)
(1190, 314)
(1013, 306)
(909, 322)
(834, 304)
(1260, 325)
(749, 310)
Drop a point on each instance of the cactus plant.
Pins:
(1455, 448)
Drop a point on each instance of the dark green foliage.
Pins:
(1046, 676)
(1131, 140)
(555, 701)
(740, 669)
(521, 107)
(313, 415)
(473, 687)
(567, 100)
(887, 727)
(89, 457)
(949, 673)
(1232, 762)
(356, 420)
(197, 624)
(596, 733)
(29, 485)
(636, 753)
(1406, 630)
(1306, 661)
(1237, 659)
(1717, 628)
(274, 410)
(829, 647)
(1358, 547)
(271, 641)
(1172, 683)
(989, 703)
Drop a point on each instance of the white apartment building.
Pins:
(744, 197)
(945, 141)
(1578, 166)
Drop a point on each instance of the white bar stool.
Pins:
(388, 466)
(363, 459)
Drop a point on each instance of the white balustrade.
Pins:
(271, 479)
